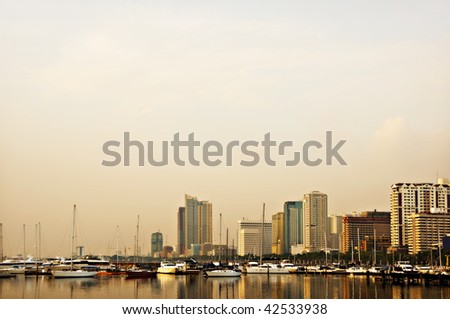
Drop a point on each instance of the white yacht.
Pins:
(223, 273)
(356, 270)
(168, 267)
(266, 269)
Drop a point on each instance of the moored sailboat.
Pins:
(73, 272)
(136, 271)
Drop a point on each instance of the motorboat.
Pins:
(356, 270)
(375, 270)
(168, 267)
(266, 268)
(139, 273)
(6, 273)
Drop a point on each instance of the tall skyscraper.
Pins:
(194, 224)
(334, 232)
(293, 225)
(315, 217)
(414, 198)
(277, 233)
(249, 237)
(156, 244)
(181, 246)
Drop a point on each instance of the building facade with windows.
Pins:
(252, 235)
(315, 219)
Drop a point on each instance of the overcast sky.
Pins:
(75, 75)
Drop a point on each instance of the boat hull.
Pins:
(223, 273)
(74, 274)
(265, 270)
(140, 274)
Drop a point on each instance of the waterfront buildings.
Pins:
(315, 217)
(367, 229)
(277, 233)
(194, 224)
(408, 199)
(428, 230)
(293, 225)
(156, 244)
(334, 232)
(251, 235)
(181, 247)
(167, 252)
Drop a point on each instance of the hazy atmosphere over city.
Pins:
(74, 76)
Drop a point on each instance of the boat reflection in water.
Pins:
(166, 286)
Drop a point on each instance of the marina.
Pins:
(163, 286)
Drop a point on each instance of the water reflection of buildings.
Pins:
(198, 287)
(221, 288)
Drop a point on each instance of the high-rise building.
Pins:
(369, 229)
(181, 246)
(293, 225)
(315, 217)
(277, 233)
(194, 224)
(428, 229)
(250, 237)
(334, 232)
(156, 244)
(414, 198)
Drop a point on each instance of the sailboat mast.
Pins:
(117, 247)
(73, 236)
(137, 240)
(36, 241)
(40, 241)
(359, 247)
(352, 253)
(220, 238)
(439, 249)
(226, 249)
(24, 246)
(262, 235)
(374, 246)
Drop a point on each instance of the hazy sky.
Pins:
(75, 75)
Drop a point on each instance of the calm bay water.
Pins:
(196, 286)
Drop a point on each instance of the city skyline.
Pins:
(76, 76)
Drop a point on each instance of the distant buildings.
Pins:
(277, 233)
(167, 252)
(428, 230)
(334, 232)
(251, 235)
(181, 237)
(156, 244)
(367, 229)
(293, 225)
(408, 199)
(194, 224)
(315, 212)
